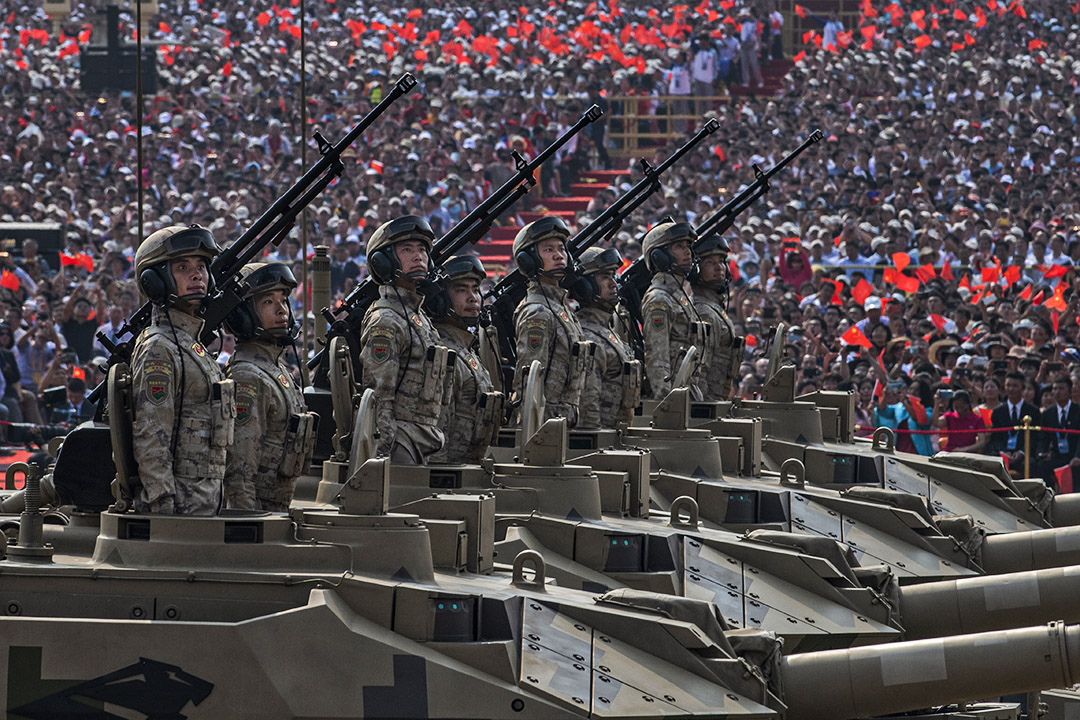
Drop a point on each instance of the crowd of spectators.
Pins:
(938, 216)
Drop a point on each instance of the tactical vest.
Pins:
(474, 411)
(620, 373)
(724, 343)
(685, 328)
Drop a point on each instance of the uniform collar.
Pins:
(451, 330)
(555, 292)
(180, 320)
(707, 293)
(592, 311)
(411, 298)
(668, 280)
(265, 350)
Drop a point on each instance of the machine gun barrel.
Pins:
(877, 680)
(722, 220)
(471, 228)
(508, 292)
(270, 228)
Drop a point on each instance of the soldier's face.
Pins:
(273, 309)
(712, 269)
(553, 253)
(682, 253)
(465, 298)
(413, 257)
(605, 280)
(191, 274)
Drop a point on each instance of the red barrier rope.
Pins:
(1033, 428)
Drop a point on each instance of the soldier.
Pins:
(183, 407)
(274, 433)
(399, 348)
(473, 412)
(544, 324)
(670, 324)
(613, 387)
(709, 281)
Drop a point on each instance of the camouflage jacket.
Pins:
(473, 412)
(547, 330)
(670, 325)
(183, 411)
(724, 345)
(613, 387)
(407, 367)
(274, 433)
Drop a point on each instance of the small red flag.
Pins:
(1038, 298)
(226, 69)
(1025, 294)
(925, 273)
(862, 291)
(1012, 274)
(751, 341)
(78, 372)
(854, 336)
(922, 42)
(946, 272)
(799, 57)
(9, 280)
(800, 10)
(969, 39)
(901, 260)
(1004, 459)
(985, 413)
(1064, 478)
(1054, 318)
(907, 283)
(1054, 271)
(415, 14)
(920, 411)
(890, 275)
(990, 274)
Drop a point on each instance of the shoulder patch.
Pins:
(283, 379)
(199, 349)
(158, 378)
(382, 331)
(657, 319)
(563, 316)
(684, 301)
(536, 323)
(613, 338)
(417, 321)
(380, 348)
(534, 338)
(474, 363)
(245, 400)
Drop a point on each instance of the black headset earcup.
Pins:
(694, 275)
(660, 260)
(383, 266)
(528, 262)
(584, 290)
(240, 323)
(155, 284)
(437, 304)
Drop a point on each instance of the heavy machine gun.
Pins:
(270, 228)
(634, 281)
(509, 292)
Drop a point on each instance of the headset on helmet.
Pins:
(657, 245)
(585, 289)
(709, 245)
(437, 304)
(525, 254)
(152, 259)
(382, 260)
(243, 321)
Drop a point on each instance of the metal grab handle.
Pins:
(538, 567)
(689, 504)
(888, 435)
(793, 472)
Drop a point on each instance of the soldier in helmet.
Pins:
(473, 412)
(544, 324)
(399, 347)
(670, 324)
(613, 387)
(709, 281)
(183, 406)
(274, 433)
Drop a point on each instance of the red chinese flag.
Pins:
(1054, 271)
(1025, 294)
(1038, 298)
(800, 10)
(925, 273)
(1036, 44)
(946, 272)
(1057, 302)
(939, 321)
(985, 412)
(861, 291)
(890, 275)
(67, 260)
(226, 69)
(1054, 319)
(922, 42)
(920, 411)
(85, 261)
(751, 341)
(78, 372)
(969, 39)
(415, 14)
(957, 47)
(990, 274)
(907, 283)
(854, 336)
(799, 57)
(868, 31)
(901, 260)
(1064, 478)
(9, 281)
(1012, 274)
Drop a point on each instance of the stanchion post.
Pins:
(1027, 445)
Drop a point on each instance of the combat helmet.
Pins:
(243, 321)
(438, 304)
(382, 261)
(708, 246)
(658, 256)
(526, 256)
(169, 243)
(594, 260)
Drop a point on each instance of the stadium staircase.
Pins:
(772, 78)
(494, 250)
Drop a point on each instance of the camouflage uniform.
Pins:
(670, 326)
(407, 367)
(724, 345)
(548, 331)
(274, 431)
(473, 411)
(613, 387)
(167, 379)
